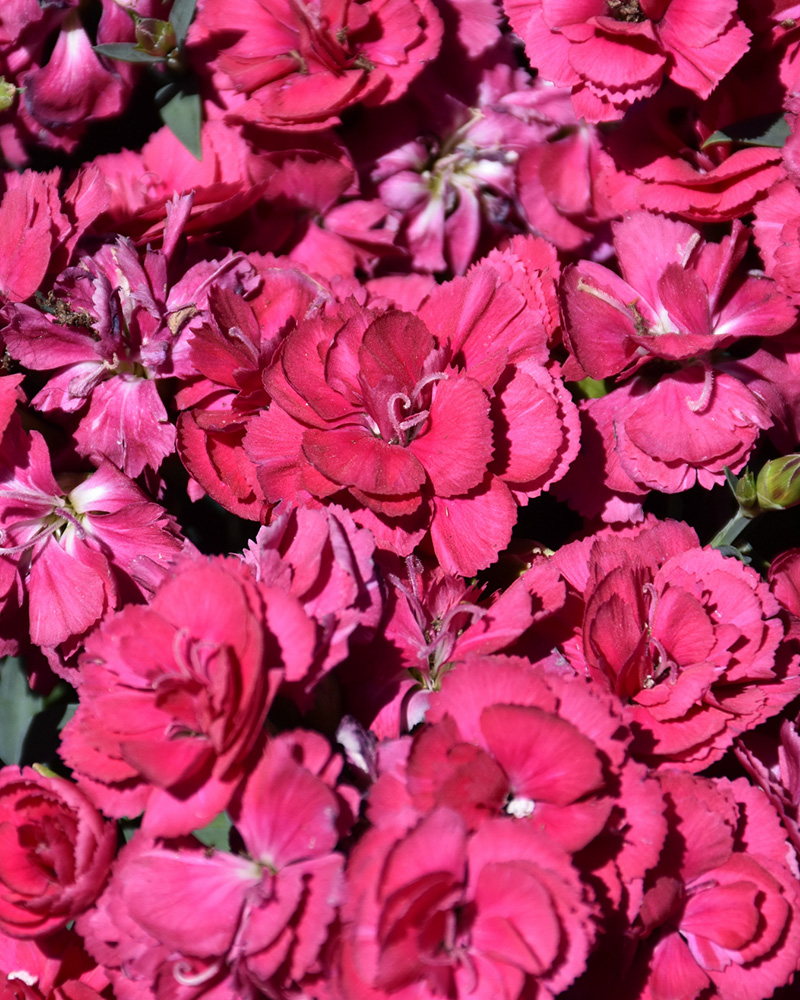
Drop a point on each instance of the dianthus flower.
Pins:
(684, 637)
(438, 911)
(74, 544)
(173, 696)
(302, 62)
(113, 327)
(256, 922)
(720, 914)
(437, 422)
(615, 52)
(680, 301)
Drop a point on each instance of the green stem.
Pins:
(731, 531)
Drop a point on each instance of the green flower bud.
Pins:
(7, 94)
(778, 485)
(745, 493)
(155, 37)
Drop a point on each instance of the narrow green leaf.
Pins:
(18, 706)
(182, 115)
(765, 130)
(126, 52)
(181, 17)
(216, 833)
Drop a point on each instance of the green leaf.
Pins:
(217, 833)
(18, 706)
(181, 17)
(126, 52)
(182, 114)
(765, 130)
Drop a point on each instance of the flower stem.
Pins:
(728, 534)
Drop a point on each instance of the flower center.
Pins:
(626, 10)
(407, 413)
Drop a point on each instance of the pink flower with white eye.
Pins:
(113, 327)
(75, 544)
(615, 52)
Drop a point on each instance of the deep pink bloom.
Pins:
(174, 695)
(447, 170)
(722, 910)
(55, 967)
(615, 52)
(225, 183)
(325, 561)
(664, 165)
(229, 348)
(75, 544)
(113, 327)
(40, 230)
(55, 852)
(777, 233)
(435, 911)
(256, 921)
(684, 637)
(438, 422)
(679, 298)
(64, 84)
(302, 63)
(433, 620)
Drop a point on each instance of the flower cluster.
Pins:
(387, 389)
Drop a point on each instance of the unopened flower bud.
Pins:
(7, 94)
(155, 37)
(745, 492)
(778, 485)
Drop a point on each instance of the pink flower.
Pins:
(372, 410)
(55, 852)
(435, 911)
(325, 561)
(685, 638)
(433, 620)
(679, 298)
(74, 548)
(40, 230)
(76, 85)
(664, 165)
(450, 172)
(55, 967)
(174, 695)
(114, 327)
(229, 348)
(258, 919)
(721, 912)
(615, 52)
(302, 63)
